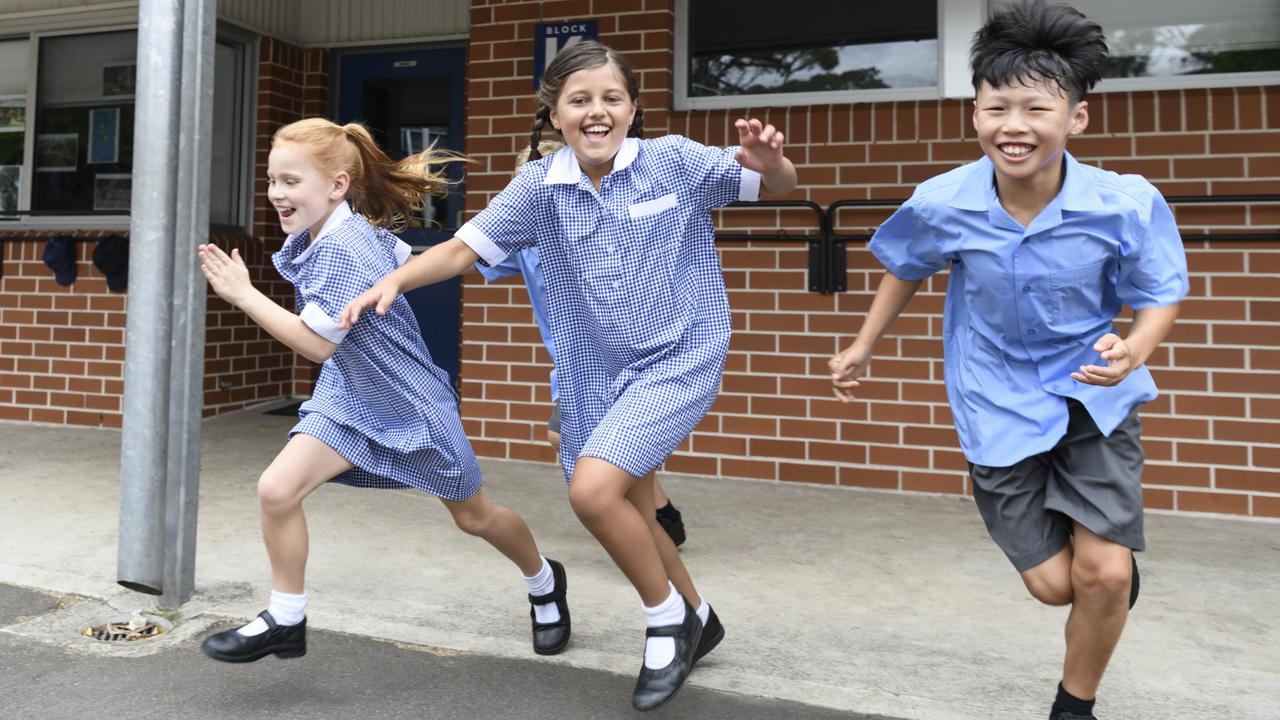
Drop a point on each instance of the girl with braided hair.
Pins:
(382, 414)
(637, 308)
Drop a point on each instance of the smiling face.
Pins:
(303, 195)
(593, 113)
(1023, 128)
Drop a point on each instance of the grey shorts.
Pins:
(553, 424)
(1091, 479)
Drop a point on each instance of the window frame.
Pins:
(957, 21)
(25, 220)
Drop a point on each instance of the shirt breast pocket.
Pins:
(1077, 292)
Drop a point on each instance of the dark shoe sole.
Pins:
(284, 652)
(711, 643)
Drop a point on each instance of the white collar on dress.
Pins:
(565, 168)
(336, 218)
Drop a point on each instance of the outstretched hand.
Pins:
(227, 274)
(379, 298)
(760, 146)
(1120, 362)
(846, 368)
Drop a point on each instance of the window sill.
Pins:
(66, 223)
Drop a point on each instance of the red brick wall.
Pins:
(1212, 438)
(62, 348)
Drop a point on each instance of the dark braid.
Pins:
(540, 120)
(637, 125)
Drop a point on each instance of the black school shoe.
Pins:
(283, 641)
(712, 634)
(655, 687)
(552, 638)
(669, 519)
(1064, 715)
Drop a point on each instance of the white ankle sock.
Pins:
(704, 612)
(541, 584)
(660, 651)
(285, 608)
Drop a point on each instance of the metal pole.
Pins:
(186, 378)
(144, 445)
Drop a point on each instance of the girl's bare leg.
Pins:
(598, 493)
(659, 495)
(500, 527)
(641, 495)
(303, 465)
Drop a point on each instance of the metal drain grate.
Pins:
(127, 628)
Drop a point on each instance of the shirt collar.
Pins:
(977, 190)
(565, 169)
(1078, 193)
(336, 218)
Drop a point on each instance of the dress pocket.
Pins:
(652, 207)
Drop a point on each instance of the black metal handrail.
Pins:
(827, 248)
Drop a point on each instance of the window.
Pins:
(823, 50)
(862, 51)
(1187, 37)
(84, 124)
(13, 122)
(68, 149)
(231, 139)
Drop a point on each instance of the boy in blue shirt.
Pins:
(1044, 391)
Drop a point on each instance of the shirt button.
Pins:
(1032, 331)
(1026, 288)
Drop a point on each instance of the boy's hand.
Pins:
(760, 146)
(1120, 362)
(227, 274)
(846, 368)
(379, 297)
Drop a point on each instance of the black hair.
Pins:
(1031, 40)
(581, 56)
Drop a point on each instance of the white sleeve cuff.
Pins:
(322, 324)
(749, 190)
(403, 252)
(480, 243)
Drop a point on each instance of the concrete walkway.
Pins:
(850, 600)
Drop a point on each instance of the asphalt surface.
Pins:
(342, 676)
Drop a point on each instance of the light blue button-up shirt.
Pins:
(1025, 305)
(525, 263)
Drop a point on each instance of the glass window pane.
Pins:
(225, 174)
(84, 124)
(1186, 37)
(813, 46)
(13, 121)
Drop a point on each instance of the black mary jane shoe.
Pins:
(551, 638)
(287, 641)
(712, 634)
(655, 687)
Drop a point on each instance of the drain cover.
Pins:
(127, 628)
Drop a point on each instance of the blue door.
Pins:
(409, 100)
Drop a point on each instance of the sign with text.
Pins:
(551, 38)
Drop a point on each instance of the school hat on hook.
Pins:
(111, 257)
(60, 256)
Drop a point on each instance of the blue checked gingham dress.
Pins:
(635, 292)
(379, 402)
